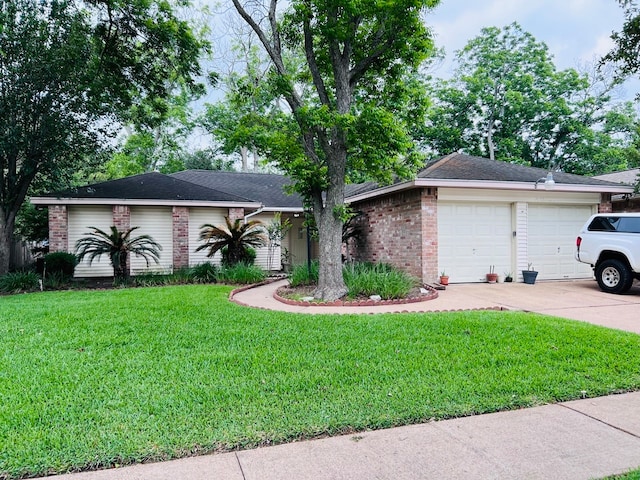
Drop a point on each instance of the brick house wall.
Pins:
(605, 205)
(58, 228)
(180, 237)
(122, 217)
(236, 213)
(400, 229)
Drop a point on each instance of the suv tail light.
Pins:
(578, 242)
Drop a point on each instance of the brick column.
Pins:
(180, 237)
(429, 219)
(236, 213)
(58, 228)
(122, 217)
(605, 205)
(122, 221)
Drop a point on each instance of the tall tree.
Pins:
(70, 69)
(626, 52)
(508, 101)
(356, 55)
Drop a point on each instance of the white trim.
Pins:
(141, 202)
(511, 196)
(284, 209)
(491, 185)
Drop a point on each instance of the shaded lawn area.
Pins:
(97, 378)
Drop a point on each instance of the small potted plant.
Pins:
(492, 276)
(444, 278)
(529, 275)
(508, 278)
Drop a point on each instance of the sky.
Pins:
(576, 31)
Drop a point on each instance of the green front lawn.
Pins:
(96, 378)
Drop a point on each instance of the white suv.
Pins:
(610, 242)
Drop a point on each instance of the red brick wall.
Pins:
(429, 235)
(401, 229)
(180, 237)
(605, 203)
(122, 217)
(235, 213)
(58, 228)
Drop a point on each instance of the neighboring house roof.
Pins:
(629, 177)
(460, 170)
(159, 188)
(265, 188)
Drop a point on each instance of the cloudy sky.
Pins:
(574, 30)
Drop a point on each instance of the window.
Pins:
(615, 224)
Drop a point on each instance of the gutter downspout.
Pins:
(257, 212)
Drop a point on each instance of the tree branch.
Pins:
(313, 64)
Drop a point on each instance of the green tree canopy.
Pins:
(71, 69)
(508, 101)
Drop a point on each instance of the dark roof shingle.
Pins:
(265, 188)
(149, 186)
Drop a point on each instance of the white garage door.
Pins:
(552, 232)
(471, 237)
(158, 223)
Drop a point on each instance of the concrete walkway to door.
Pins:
(574, 299)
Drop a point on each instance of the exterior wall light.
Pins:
(549, 182)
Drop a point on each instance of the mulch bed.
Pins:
(290, 296)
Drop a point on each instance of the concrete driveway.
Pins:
(575, 299)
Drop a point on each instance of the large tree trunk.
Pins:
(331, 284)
(6, 235)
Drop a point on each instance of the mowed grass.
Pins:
(97, 378)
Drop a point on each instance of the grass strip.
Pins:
(98, 378)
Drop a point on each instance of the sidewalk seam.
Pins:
(244, 477)
(615, 427)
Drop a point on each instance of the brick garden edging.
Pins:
(358, 303)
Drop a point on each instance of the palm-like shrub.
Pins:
(236, 240)
(118, 245)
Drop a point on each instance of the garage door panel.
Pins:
(552, 231)
(471, 238)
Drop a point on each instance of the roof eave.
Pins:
(489, 185)
(141, 202)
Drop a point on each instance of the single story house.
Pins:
(628, 202)
(461, 214)
(172, 208)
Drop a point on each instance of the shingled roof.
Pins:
(458, 166)
(148, 186)
(265, 188)
(268, 190)
(468, 170)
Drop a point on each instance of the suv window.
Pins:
(615, 224)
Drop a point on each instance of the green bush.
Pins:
(17, 282)
(180, 276)
(241, 273)
(248, 256)
(204, 273)
(60, 263)
(56, 281)
(377, 279)
(302, 275)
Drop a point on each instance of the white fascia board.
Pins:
(489, 185)
(146, 203)
(284, 209)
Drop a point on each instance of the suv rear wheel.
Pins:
(614, 276)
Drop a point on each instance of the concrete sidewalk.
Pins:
(584, 439)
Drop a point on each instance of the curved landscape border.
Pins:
(432, 294)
